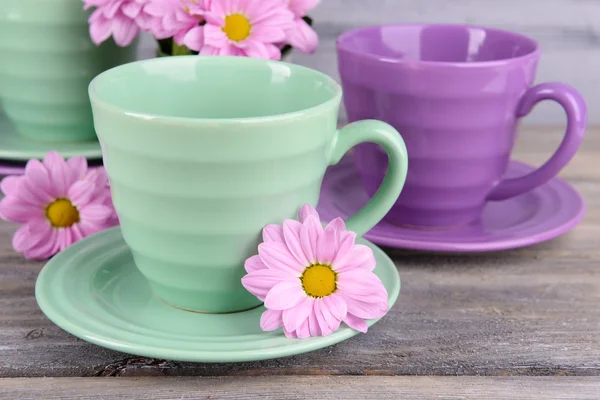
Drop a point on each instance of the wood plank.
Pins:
(533, 311)
(335, 388)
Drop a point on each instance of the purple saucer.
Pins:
(537, 216)
(11, 170)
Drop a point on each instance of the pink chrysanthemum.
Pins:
(179, 19)
(120, 19)
(58, 202)
(312, 279)
(301, 35)
(242, 28)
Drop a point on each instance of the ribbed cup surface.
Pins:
(193, 195)
(452, 92)
(48, 61)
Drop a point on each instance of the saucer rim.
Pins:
(13, 154)
(438, 246)
(57, 314)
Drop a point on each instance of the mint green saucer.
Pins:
(15, 147)
(94, 291)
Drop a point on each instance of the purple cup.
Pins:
(455, 93)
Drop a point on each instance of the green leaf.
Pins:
(180, 50)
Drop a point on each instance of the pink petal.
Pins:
(214, 36)
(111, 8)
(301, 7)
(290, 335)
(131, 9)
(14, 209)
(31, 194)
(260, 282)
(327, 246)
(271, 320)
(194, 38)
(97, 213)
(365, 310)
(285, 295)
(90, 227)
(273, 233)
(21, 240)
(332, 322)
(336, 305)
(60, 239)
(309, 237)
(170, 22)
(78, 169)
(358, 324)
(303, 330)
(337, 224)
(81, 193)
(218, 10)
(231, 50)
(267, 34)
(57, 167)
(269, 13)
(76, 233)
(100, 28)
(359, 256)
(346, 241)
(255, 49)
(254, 263)
(9, 185)
(124, 30)
(33, 235)
(45, 248)
(277, 256)
(362, 284)
(297, 315)
(274, 52)
(313, 324)
(36, 184)
(208, 50)
(323, 325)
(306, 211)
(303, 37)
(291, 234)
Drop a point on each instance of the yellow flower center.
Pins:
(319, 280)
(62, 213)
(237, 27)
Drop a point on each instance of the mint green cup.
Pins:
(203, 152)
(46, 64)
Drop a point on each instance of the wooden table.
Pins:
(515, 324)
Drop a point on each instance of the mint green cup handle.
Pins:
(384, 135)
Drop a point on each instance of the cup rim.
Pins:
(342, 46)
(327, 104)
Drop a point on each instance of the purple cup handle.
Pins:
(575, 108)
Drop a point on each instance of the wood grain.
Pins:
(323, 388)
(533, 311)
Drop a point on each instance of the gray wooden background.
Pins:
(568, 30)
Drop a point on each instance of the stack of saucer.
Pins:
(16, 150)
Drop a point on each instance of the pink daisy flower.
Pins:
(313, 278)
(178, 19)
(57, 202)
(301, 35)
(249, 28)
(120, 19)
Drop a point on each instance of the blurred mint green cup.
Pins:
(203, 152)
(47, 63)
